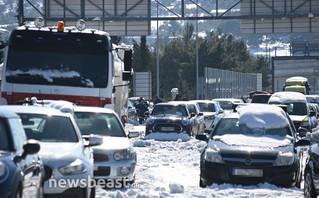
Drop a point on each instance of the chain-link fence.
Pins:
(229, 84)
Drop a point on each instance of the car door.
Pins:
(30, 166)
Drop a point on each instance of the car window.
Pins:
(99, 123)
(169, 110)
(226, 105)
(48, 128)
(231, 126)
(191, 108)
(4, 136)
(297, 109)
(17, 132)
(207, 107)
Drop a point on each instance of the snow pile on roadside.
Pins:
(168, 136)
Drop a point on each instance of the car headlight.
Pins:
(3, 171)
(150, 121)
(126, 154)
(185, 122)
(284, 159)
(212, 155)
(76, 167)
(304, 123)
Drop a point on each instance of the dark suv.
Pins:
(21, 169)
(170, 117)
(260, 98)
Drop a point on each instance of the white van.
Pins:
(296, 107)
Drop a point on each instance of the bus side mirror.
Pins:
(128, 60)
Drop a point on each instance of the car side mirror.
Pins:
(201, 137)
(133, 134)
(220, 111)
(208, 130)
(302, 132)
(193, 115)
(92, 140)
(31, 147)
(312, 113)
(302, 142)
(200, 114)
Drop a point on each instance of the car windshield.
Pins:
(226, 105)
(231, 126)
(169, 110)
(105, 124)
(4, 139)
(207, 107)
(48, 128)
(297, 108)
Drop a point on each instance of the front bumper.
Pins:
(221, 173)
(114, 170)
(62, 185)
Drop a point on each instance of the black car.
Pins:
(311, 179)
(21, 169)
(170, 117)
(256, 144)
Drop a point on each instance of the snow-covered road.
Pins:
(171, 169)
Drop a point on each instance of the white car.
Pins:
(227, 103)
(115, 159)
(211, 111)
(68, 162)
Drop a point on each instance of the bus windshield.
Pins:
(57, 67)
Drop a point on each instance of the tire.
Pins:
(309, 189)
(201, 183)
(92, 194)
(18, 193)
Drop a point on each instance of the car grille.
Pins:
(98, 157)
(102, 171)
(167, 127)
(242, 162)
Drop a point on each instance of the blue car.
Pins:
(21, 169)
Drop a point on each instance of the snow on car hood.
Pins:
(269, 141)
(114, 143)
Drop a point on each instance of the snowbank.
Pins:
(168, 136)
(262, 116)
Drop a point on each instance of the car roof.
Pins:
(7, 114)
(227, 99)
(34, 110)
(204, 101)
(93, 109)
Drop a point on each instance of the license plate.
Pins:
(96, 167)
(248, 172)
(167, 128)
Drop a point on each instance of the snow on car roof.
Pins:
(7, 114)
(262, 116)
(288, 97)
(92, 109)
(296, 78)
(33, 110)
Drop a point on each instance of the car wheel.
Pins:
(309, 189)
(18, 193)
(201, 183)
(92, 194)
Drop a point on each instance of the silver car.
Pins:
(115, 159)
(67, 159)
(211, 110)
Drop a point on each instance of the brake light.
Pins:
(60, 26)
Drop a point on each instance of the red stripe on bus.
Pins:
(14, 98)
